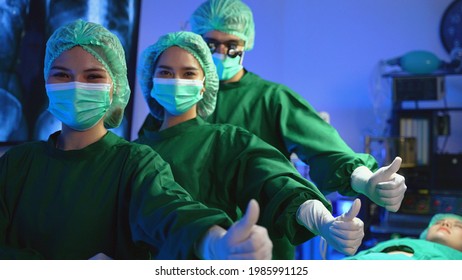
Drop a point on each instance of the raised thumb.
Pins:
(391, 169)
(241, 230)
(353, 212)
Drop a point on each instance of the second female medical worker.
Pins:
(225, 166)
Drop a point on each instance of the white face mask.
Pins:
(79, 105)
(227, 67)
(177, 96)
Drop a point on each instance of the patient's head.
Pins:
(445, 229)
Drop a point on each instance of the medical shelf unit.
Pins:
(434, 181)
(431, 178)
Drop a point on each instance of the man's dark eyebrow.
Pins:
(231, 41)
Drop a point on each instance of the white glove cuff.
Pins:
(360, 178)
(206, 248)
(313, 214)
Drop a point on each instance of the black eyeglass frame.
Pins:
(231, 46)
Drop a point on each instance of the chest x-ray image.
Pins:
(12, 19)
(10, 115)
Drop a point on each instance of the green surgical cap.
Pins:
(195, 45)
(228, 16)
(106, 48)
(435, 219)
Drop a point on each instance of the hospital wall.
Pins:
(325, 50)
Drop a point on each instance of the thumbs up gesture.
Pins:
(345, 233)
(244, 239)
(385, 187)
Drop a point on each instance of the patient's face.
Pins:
(447, 232)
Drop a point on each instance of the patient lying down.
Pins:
(441, 240)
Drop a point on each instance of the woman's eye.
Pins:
(190, 75)
(95, 77)
(60, 75)
(163, 74)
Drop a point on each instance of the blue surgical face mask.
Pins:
(177, 96)
(80, 106)
(227, 67)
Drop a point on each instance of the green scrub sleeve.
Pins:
(318, 144)
(263, 172)
(225, 166)
(169, 227)
(285, 120)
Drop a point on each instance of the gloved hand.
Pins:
(385, 187)
(243, 240)
(345, 233)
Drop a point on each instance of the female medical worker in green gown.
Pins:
(87, 193)
(441, 240)
(225, 166)
(282, 117)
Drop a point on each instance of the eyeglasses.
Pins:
(231, 46)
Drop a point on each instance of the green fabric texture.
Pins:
(114, 197)
(196, 46)
(422, 250)
(225, 166)
(285, 120)
(106, 48)
(228, 16)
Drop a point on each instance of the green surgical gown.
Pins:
(114, 197)
(421, 249)
(288, 122)
(225, 166)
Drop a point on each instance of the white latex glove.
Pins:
(100, 256)
(385, 187)
(345, 233)
(243, 240)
